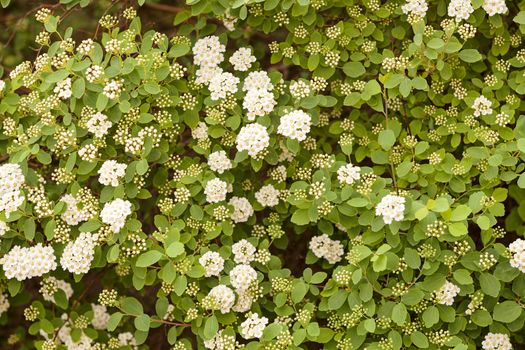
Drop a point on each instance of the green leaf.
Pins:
(419, 339)
(460, 213)
(299, 291)
(354, 69)
(131, 306)
(399, 314)
(520, 18)
(506, 311)
(175, 249)
(149, 258)
(463, 277)
(490, 285)
(114, 321)
(431, 316)
(211, 327)
(142, 322)
(470, 55)
(386, 139)
(300, 217)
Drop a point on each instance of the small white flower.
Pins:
(253, 326)
(348, 174)
(295, 125)
(267, 196)
(242, 59)
(212, 262)
(392, 208)
(446, 294)
(216, 190)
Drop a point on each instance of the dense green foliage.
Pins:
(368, 192)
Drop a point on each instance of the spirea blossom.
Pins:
(460, 9)
(253, 326)
(242, 209)
(295, 125)
(258, 80)
(496, 341)
(494, 7)
(79, 254)
(206, 73)
(208, 51)
(113, 89)
(216, 190)
(223, 297)
(110, 172)
(98, 124)
(218, 161)
(518, 258)
(3, 228)
(73, 214)
(416, 7)
(242, 59)
(392, 208)
(11, 181)
(446, 294)
(324, 247)
(348, 174)
(115, 213)
(212, 262)
(482, 106)
(267, 196)
(100, 316)
(28, 262)
(253, 138)
(200, 132)
(223, 84)
(63, 89)
(2, 85)
(258, 102)
(243, 252)
(242, 276)
(51, 285)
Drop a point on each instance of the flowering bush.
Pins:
(276, 175)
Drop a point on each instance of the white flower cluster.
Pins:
(295, 125)
(460, 9)
(518, 258)
(253, 326)
(242, 59)
(212, 262)
(23, 263)
(200, 132)
(110, 172)
(11, 181)
(496, 341)
(2, 85)
(242, 276)
(415, 7)
(115, 213)
(3, 228)
(127, 339)
(482, 106)
(218, 161)
(446, 294)
(63, 89)
(242, 209)
(223, 297)
(208, 52)
(4, 303)
(222, 84)
(267, 196)
(100, 316)
(98, 124)
(79, 254)
(324, 247)
(221, 341)
(392, 208)
(253, 138)
(73, 214)
(113, 89)
(494, 7)
(259, 99)
(243, 252)
(216, 190)
(348, 174)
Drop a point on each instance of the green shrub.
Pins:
(275, 175)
